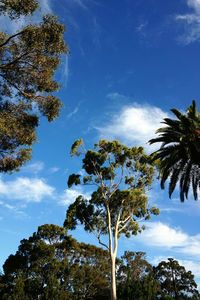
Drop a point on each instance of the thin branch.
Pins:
(11, 37)
(101, 243)
(96, 235)
(4, 66)
(125, 220)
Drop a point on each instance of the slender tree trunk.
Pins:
(113, 277)
(113, 254)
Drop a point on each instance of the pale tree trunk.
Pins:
(113, 277)
(113, 252)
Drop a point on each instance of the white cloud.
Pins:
(26, 189)
(134, 124)
(161, 235)
(70, 195)
(191, 22)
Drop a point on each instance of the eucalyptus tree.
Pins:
(179, 153)
(29, 58)
(120, 177)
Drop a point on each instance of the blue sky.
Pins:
(130, 62)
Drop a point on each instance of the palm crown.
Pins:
(179, 154)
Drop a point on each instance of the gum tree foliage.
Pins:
(28, 61)
(120, 177)
(135, 278)
(179, 153)
(175, 282)
(51, 265)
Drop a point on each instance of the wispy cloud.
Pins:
(79, 3)
(34, 167)
(134, 124)
(53, 170)
(74, 111)
(191, 22)
(45, 6)
(25, 189)
(141, 28)
(14, 209)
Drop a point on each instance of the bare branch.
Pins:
(101, 243)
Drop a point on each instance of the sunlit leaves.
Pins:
(29, 59)
(75, 147)
(16, 8)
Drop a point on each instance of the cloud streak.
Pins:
(191, 23)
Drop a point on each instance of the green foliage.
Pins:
(121, 176)
(51, 265)
(75, 147)
(175, 282)
(29, 59)
(17, 129)
(179, 154)
(135, 278)
(16, 8)
(73, 179)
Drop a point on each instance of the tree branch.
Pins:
(101, 243)
(126, 221)
(4, 66)
(11, 37)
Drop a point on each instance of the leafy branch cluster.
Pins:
(29, 59)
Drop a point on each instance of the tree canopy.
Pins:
(120, 176)
(51, 265)
(179, 153)
(175, 282)
(135, 278)
(29, 59)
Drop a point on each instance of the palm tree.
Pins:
(179, 154)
